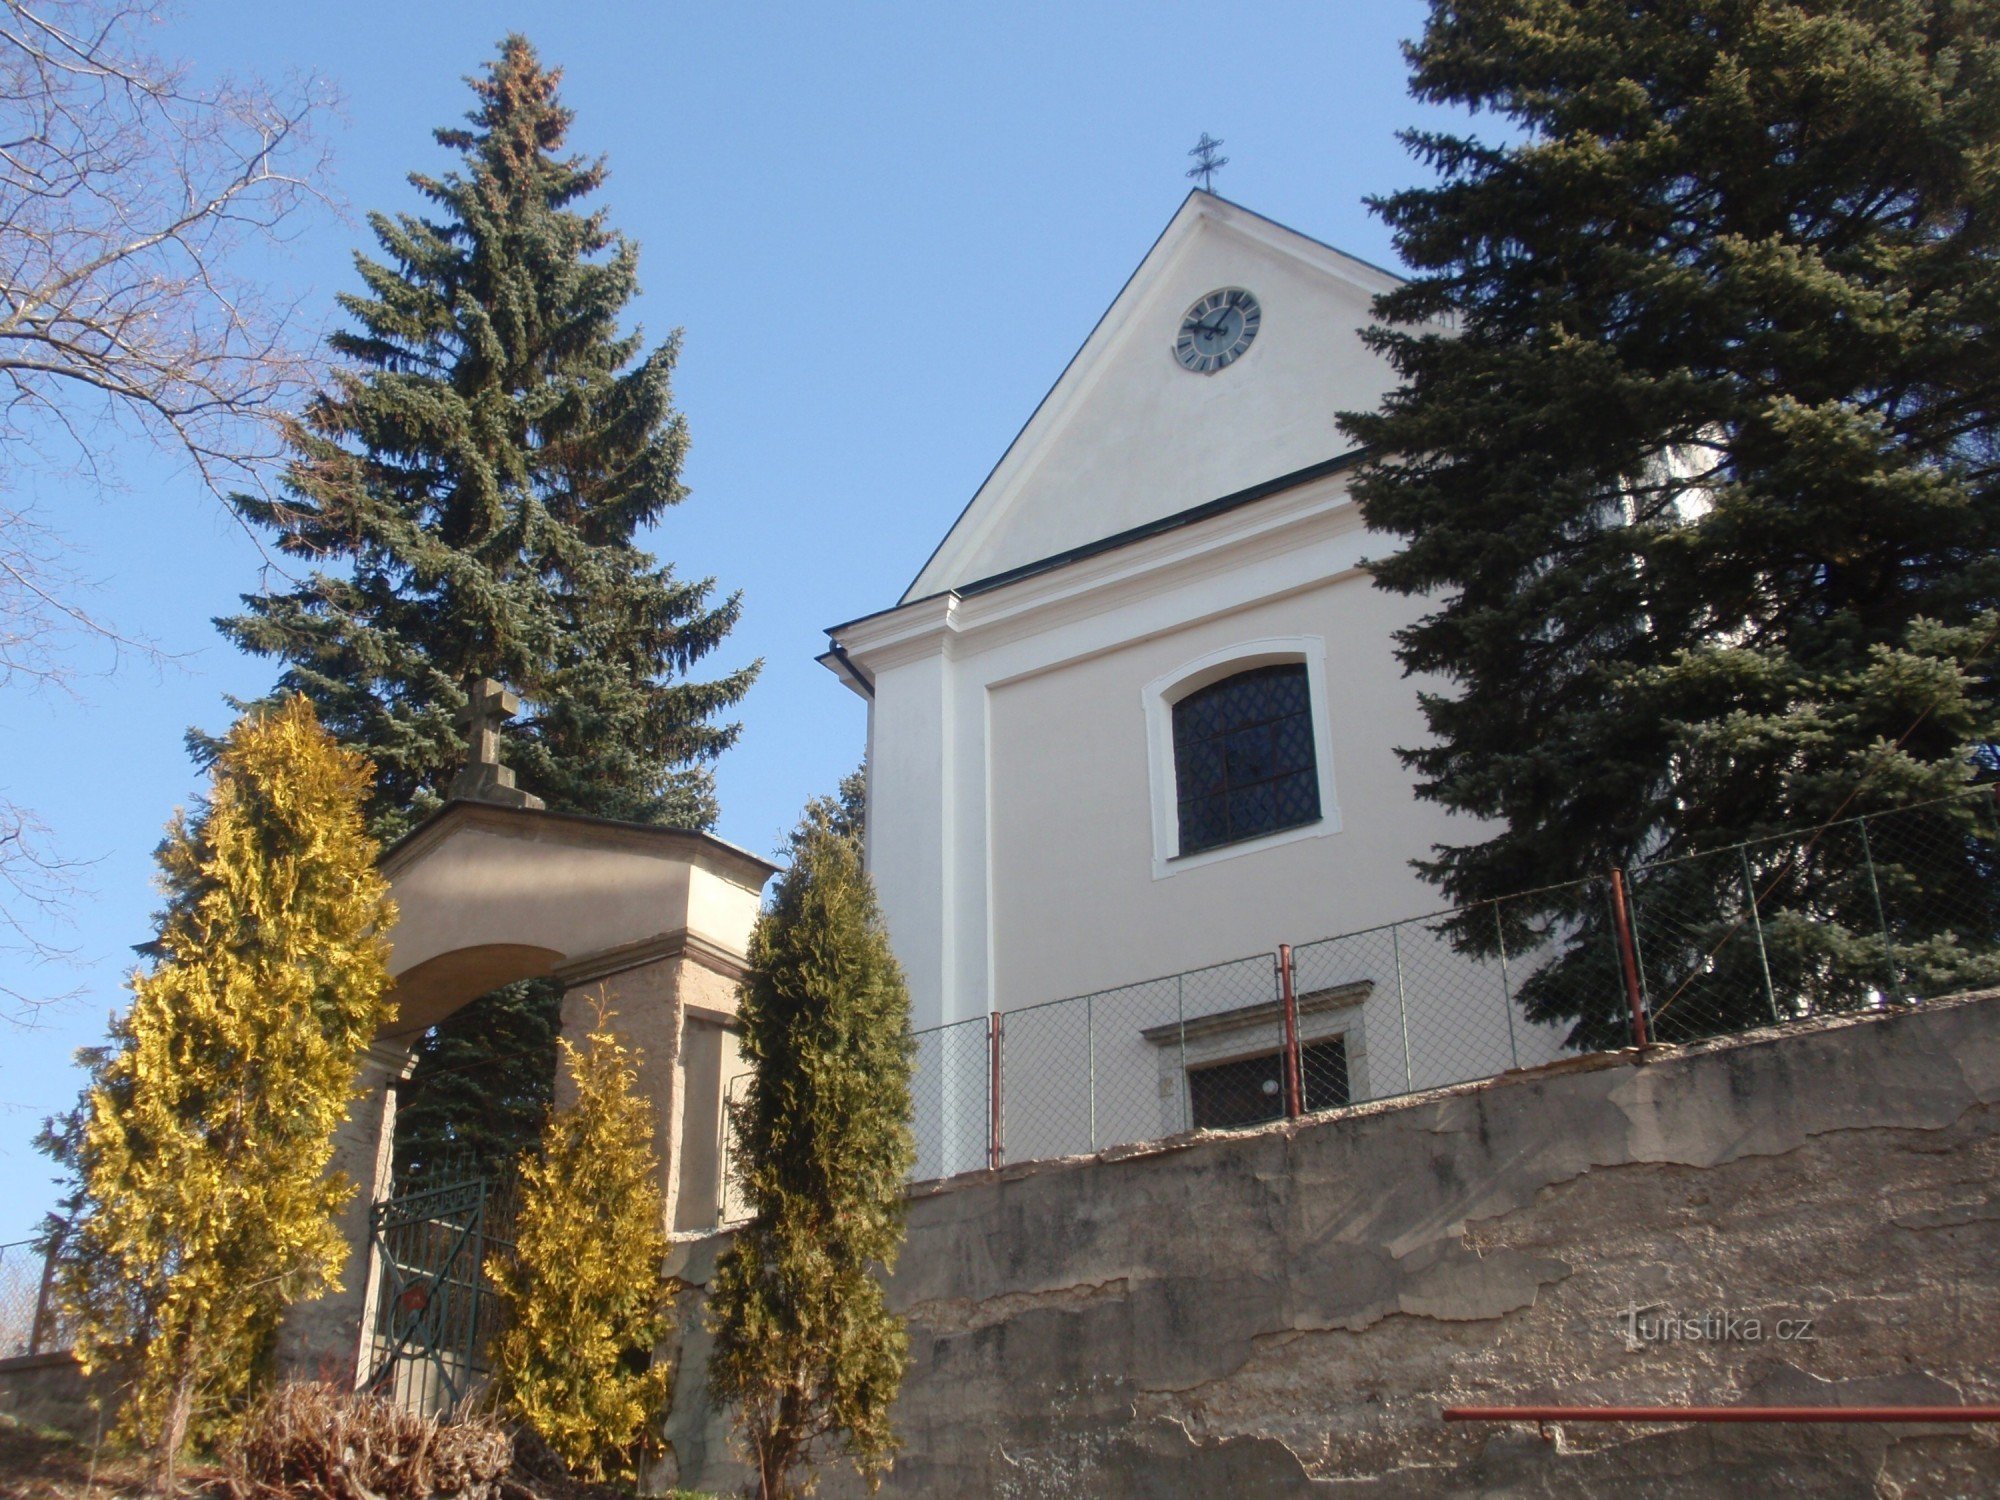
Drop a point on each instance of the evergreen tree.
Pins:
(846, 812)
(585, 1301)
(805, 1346)
(1694, 455)
(469, 489)
(203, 1205)
(483, 1084)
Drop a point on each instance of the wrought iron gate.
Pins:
(435, 1308)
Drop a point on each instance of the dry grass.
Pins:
(310, 1443)
(313, 1442)
(38, 1464)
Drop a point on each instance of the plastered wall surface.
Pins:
(1286, 1311)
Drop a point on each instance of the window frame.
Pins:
(1163, 692)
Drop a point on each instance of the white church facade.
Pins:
(1138, 713)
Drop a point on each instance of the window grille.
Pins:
(1243, 757)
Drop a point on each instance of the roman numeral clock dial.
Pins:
(1216, 330)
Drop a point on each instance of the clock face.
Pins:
(1216, 330)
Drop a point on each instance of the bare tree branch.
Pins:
(37, 892)
(124, 196)
(128, 196)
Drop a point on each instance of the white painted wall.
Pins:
(1073, 861)
(1011, 793)
(1020, 787)
(1018, 722)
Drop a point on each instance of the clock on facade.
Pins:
(1216, 330)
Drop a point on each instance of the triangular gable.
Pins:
(1127, 437)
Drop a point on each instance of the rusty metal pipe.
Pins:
(1722, 1414)
(1295, 1094)
(1628, 956)
(996, 1138)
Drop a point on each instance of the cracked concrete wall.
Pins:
(1286, 1311)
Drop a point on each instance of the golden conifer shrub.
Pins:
(204, 1206)
(585, 1300)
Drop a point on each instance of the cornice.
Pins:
(679, 943)
(952, 625)
(1112, 583)
(1260, 1015)
(919, 620)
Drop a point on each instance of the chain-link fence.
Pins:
(1865, 913)
(1890, 909)
(28, 1322)
(949, 1090)
(1137, 1062)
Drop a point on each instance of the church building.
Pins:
(1138, 712)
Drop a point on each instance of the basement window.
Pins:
(1251, 1091)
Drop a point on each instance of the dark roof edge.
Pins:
(1205, 511)
(1173, 522)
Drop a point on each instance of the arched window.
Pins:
(1243, 757)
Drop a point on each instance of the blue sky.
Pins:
(884, 230)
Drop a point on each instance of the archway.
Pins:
(655, 920)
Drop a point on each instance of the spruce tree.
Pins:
(203, 1205)
(805, 1346)
(468, 491)
(585, 1300)
(1693, 454)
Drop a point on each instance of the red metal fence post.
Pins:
(1628, 957)
(995, 1141)
(1295, 1099)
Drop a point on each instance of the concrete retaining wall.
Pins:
(1284, 1312)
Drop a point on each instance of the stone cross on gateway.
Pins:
(488, 705)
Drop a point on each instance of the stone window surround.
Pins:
(1254, 1031)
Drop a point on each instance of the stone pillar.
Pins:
(674, 1009)
(323, 1340)
(643, 1005)
(711, 1061)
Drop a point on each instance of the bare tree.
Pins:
(128, 198)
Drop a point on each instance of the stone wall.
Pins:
(1286, 1311)
(51, 1390)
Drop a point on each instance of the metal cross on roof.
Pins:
(1207, 163)
(488, 705)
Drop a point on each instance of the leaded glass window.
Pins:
(1243, 757)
